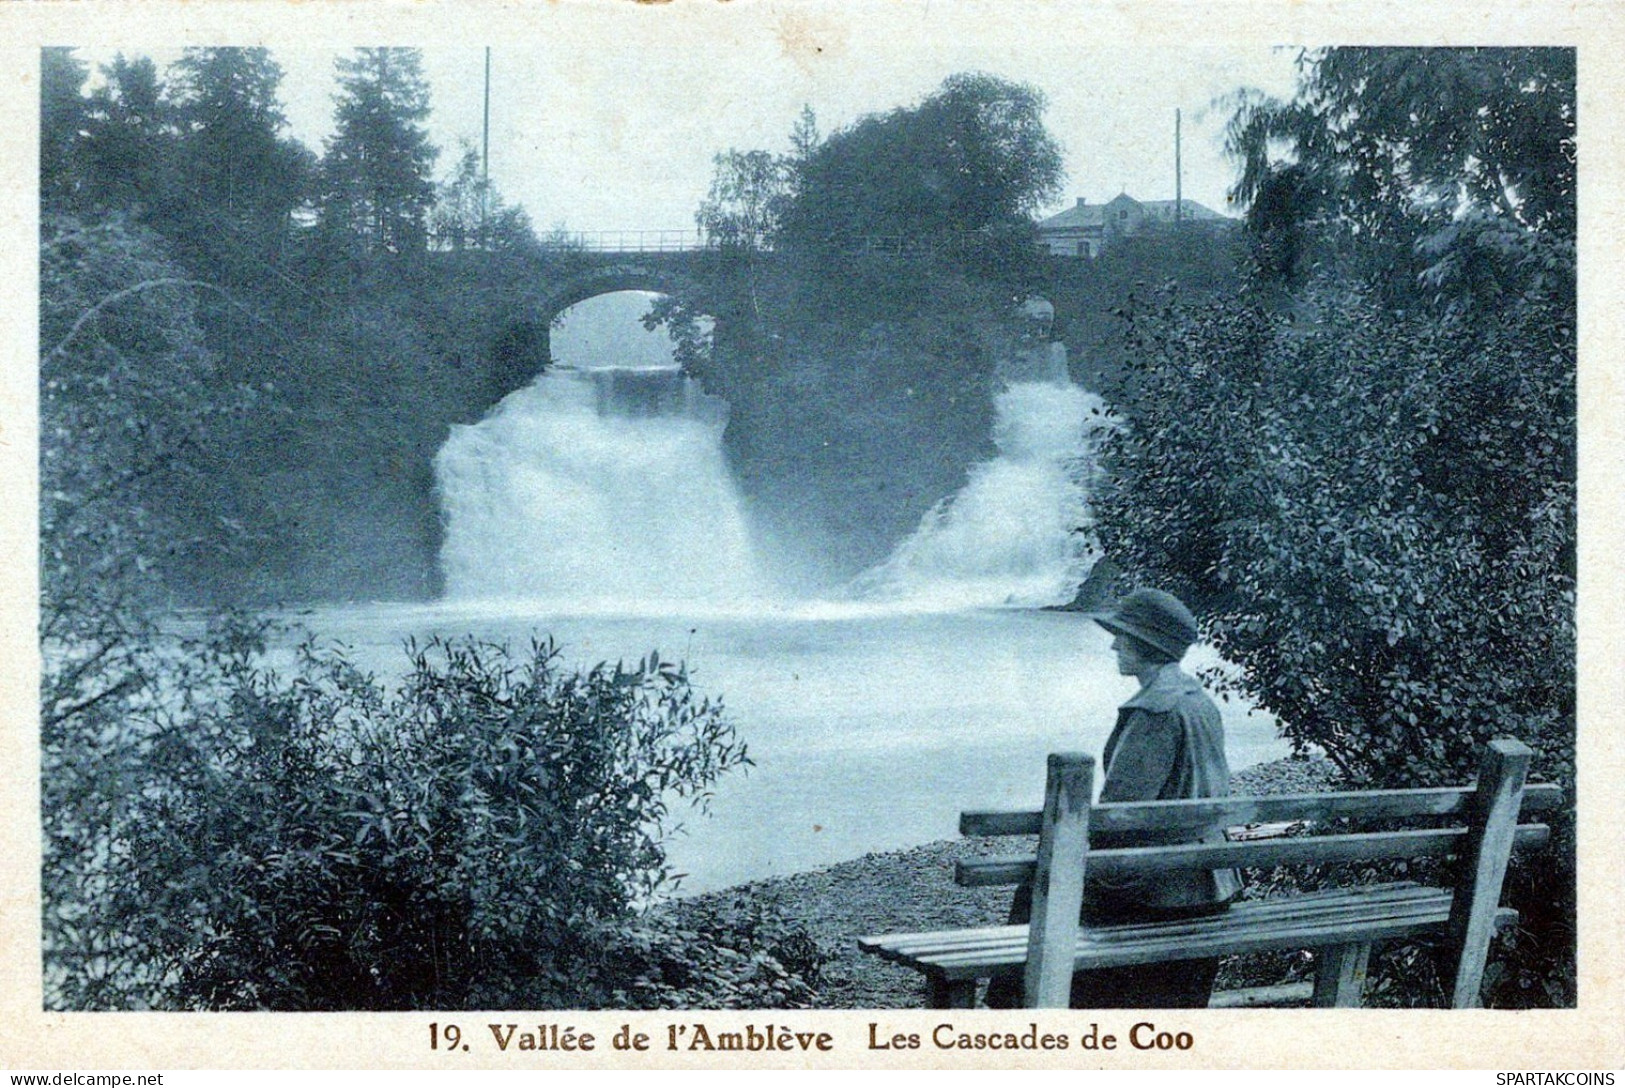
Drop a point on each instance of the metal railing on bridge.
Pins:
(635, 241)
(693, 241)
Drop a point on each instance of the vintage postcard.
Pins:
(1046, 535)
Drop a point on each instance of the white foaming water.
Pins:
(595, 488)
(1018, 532)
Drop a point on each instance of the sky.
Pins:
(610, 123)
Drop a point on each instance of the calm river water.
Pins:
(871, 726)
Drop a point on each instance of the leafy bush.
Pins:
(1377, 516)
(716, 955)
(1375, 513)
(1363, 472)
(481, 837)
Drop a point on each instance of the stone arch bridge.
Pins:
(658, 261)
(661, 262)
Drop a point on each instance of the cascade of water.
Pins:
(603, 488)
(1017, 532)
(595, 488)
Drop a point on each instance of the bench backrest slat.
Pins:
(1252, 853)
(1236, 811)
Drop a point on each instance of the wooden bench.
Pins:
(1340, 925)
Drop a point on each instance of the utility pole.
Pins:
(1179, 176)
(485, 162)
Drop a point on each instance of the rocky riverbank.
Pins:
(914, 889)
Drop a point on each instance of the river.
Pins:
(870, 728)
(595, 506)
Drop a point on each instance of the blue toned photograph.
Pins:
(832, 521)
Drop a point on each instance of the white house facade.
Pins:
(1086, 230)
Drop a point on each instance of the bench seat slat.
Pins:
(1277, 808)
(1262, 997)
(1240, 916)
(1378, 914)
(1346, 901)
(1296, 850)
(1009, 941)
(968, 965)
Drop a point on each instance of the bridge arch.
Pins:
(610, 279)
(525, 348)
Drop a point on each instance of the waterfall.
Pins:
(1018, 532)
(604, 488)
(595, 488)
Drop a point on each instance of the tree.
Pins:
(752, 190)
(1002, 165)
(1455, 158)
(239, 171)
(130, 402)
(124, 374)
(974, 155)
(747, 195)
(377, 187)
(804, 140)
(950, 182)
(129, 139)
(470, 214)
(1375, 514)
(64, 115)
(1369, 490)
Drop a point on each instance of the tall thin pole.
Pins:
(485, 164)
(1179, 175)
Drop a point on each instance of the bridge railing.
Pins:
(692, 241)
(635, 241)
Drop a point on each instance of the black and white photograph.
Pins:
(702, 516)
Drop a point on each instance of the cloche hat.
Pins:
(1156, 618)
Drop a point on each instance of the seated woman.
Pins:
(1168, 745)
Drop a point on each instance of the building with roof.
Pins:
(1087, 230)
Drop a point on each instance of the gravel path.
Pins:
(915, 889)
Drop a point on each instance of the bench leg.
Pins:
(955, 993)
(1340, 978)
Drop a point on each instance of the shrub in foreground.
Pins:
(480, 837)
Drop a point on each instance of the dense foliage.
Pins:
(341, 319)
(132, 406)
(1419, 162)
(375, 184)
(1362, 472)
(479, 837)
(972, 154)
(241, 391)
(863, 288)
(1382, 532)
